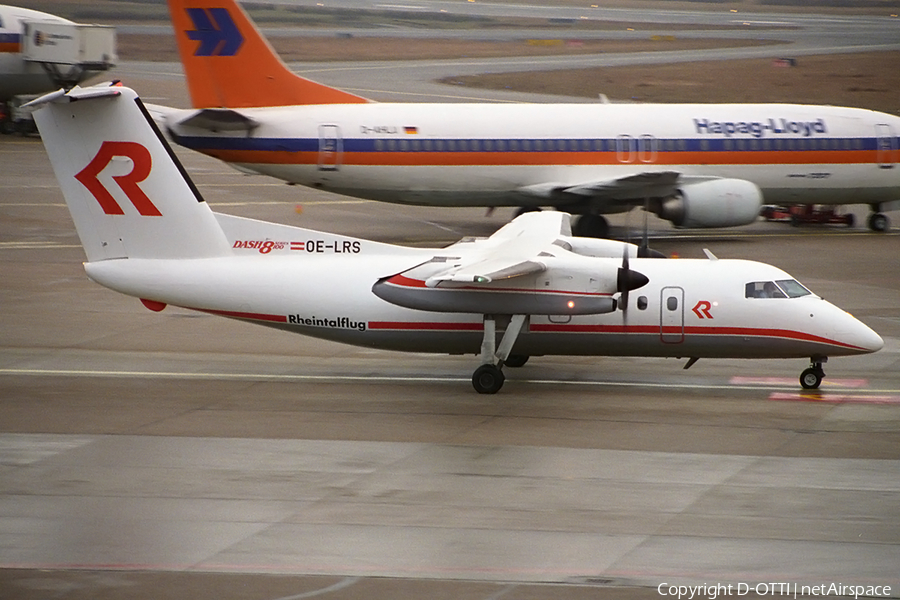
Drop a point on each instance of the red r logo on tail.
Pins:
(140, 158)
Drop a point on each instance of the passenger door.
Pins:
(331, 147)
(887, 146)
(671, 315)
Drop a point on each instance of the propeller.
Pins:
(628, 279)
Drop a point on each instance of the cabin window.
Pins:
(428, 145)
(501, 145)
(642, 302)
(379, 145)
(392, 145)
(416, 145)
(488, 145)
(672, 303)
(599, 146)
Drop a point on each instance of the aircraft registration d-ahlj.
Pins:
(696, 165)
(148, 233)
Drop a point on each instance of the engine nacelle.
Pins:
(713, 203)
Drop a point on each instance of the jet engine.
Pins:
(713, 203)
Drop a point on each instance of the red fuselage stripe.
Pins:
(567, 328)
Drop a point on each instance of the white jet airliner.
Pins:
(696, 165)
(148, 233)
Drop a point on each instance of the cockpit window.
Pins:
(792, 288)
(784, 288)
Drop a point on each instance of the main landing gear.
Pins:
(879, 222)
(811, 377)
(489, 378)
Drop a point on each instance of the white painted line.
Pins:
(385, 379)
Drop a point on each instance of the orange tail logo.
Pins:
(228, 64)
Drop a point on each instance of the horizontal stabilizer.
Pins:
(220, 119)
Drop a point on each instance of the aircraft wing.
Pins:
(502, 274)
(642, 185)
(486, 271)
(513, 251)
(633, 187)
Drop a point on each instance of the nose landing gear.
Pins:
(811, 377)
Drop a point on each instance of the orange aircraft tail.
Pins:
(229, 64)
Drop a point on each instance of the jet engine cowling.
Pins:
(713, 203)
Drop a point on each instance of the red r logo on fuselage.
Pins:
(702, 310)
(141, 161)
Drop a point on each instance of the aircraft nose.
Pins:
(871, 341)
(859, 335)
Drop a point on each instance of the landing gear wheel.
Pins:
(487, 379)
(879, 222)
(516, 360)
(811, 378)
(594, 226)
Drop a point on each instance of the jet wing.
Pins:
(642, 185)
(633, 187)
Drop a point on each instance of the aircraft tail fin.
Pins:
(128, 194)
(229, 64)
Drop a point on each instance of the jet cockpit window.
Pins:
(784, 288)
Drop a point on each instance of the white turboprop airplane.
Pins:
(148, 233)
(696, 165)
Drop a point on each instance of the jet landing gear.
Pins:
(811, 378)
(489, 378)
(879, 222)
